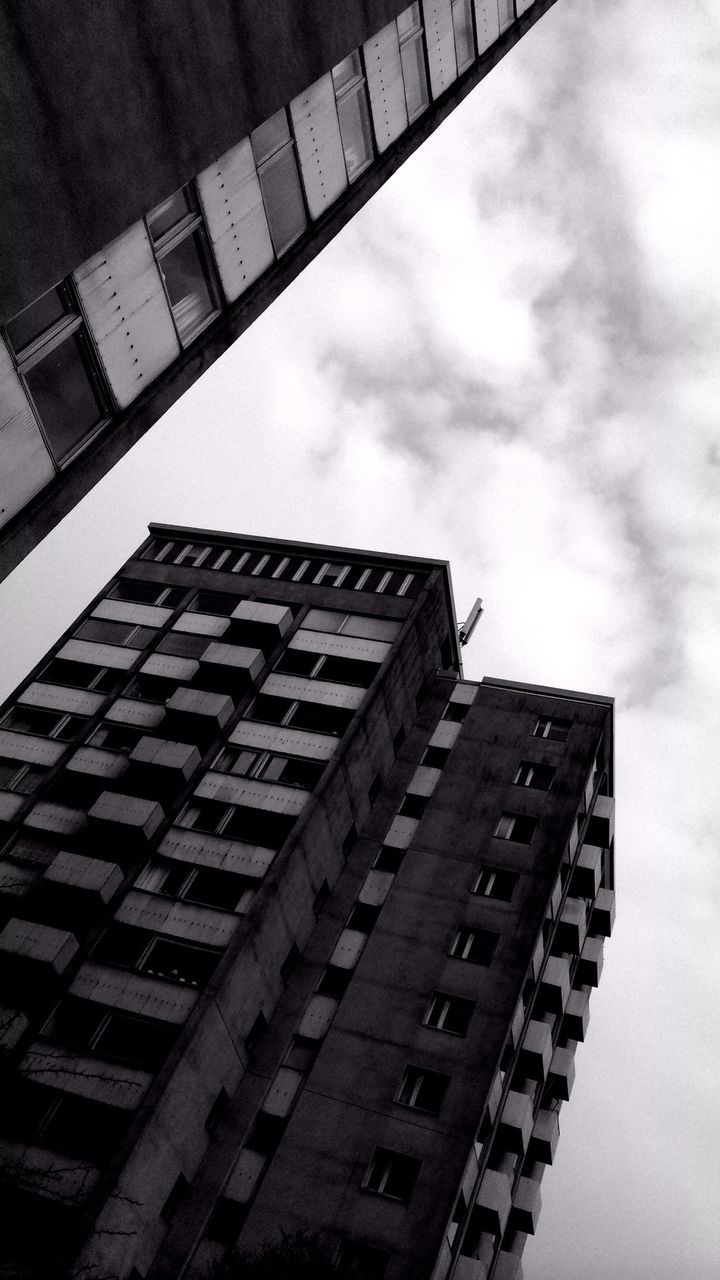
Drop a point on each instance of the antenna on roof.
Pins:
(466, 628)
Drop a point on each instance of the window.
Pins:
(207, 886)
(238, 822)
(537, 776)
(266, 1133)
(216, 602)
(182, 645)
(413, 806)
(180, 1188)
(463, 31)
(455, 711)
(180, 244)
(128, 634)
(133, 948)
(515, 826)
(477, 945)
(56, 362)
(77, 1127)
(353, 114)
(412, 55)
(80, 675)
(334, 981)
(292, 771)
(495, 882)
(16, 775)
(449, 1013)
(391, 1174)
(554, 729)
(149, 688)
(361, 1262)
(137, 592)
(277, 170)
(318, 666)
(226, 1221)
(424, 1090)
(435, 757)
(116, 738)
(389, 859)
(363, 917)
(313, 716)
(48, 724)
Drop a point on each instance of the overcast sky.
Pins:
(509, 359)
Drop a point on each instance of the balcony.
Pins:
(90, 877)
(30, 748)
(572, 926)
(201, 624)
(257, 623)
(494, 1201)
(49, 1174)
(131, 711)
(25, 945)
(230, 667)
(555, 984)
(527, 1202)
(13, 1025)
(516, 1122)
(147, 615)
(195, 715)
(318, 1015)
(576, 1016)
(134, 992)
(127, 821)
(601, 825)
(185, 920)
(215, 851)
(590, 963)
(603, 913)
(545, 1135)
(536, 1050)
(97, 763)
(57, 697)
(11, 803)
(562, 1073)
(271, 737)
(98, 654)
(117, 1084)
(58, 818)
(158, 766)
(586, 874)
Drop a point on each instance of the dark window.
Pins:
(266, 1133)
(215, 602)
(16, 775)
(226, 1221)
(363, 917)
(389, 859)
(192, 965)
(349, 671)
(183, 646)
(214, 888)
(149, 688)
(289, 964)
(391, 1174)
(180, 1188)
(435, 757)
(515, 826)
(55, 360)
(334, 981)
(116, 738)
(424, 1090)
(553, 728)
(413, 61)
(277, 170)
(495, 882)
(258, 826)
(74, 1023)
(477, 945)
(321, 897)
(140, 1042)
(320, 719)
(128, 634)
(413, 806)
(48, 724)
(301, 1053)
(297, 662)
(85, 1129)
(77, 790)
(537, 776)
(361, 1262)
(137, 592)
(269, 709)
(122, 944)
(455, 711)
(449, 1013)
(217, 1111)
(180, 244)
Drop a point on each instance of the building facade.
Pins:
(171, 168)
(299, 927)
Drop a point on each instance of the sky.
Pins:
(509, 360)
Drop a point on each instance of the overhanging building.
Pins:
(299, 926)
(169, 168)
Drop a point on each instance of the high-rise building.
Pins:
(169, 168)
(299, 926)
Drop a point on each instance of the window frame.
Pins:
(189, 227)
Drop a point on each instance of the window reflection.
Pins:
(178, 236)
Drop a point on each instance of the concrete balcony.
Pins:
(545, 1135)
(89, 877)
(197, 715)
(536, 1050)
(508, 1267)
(376, 887)
(516, 1122)
(215, 851)
(134, 712)
(230, 667)
(324, 692)
(348, 949)
(572, 925)
(590, 963)
(58, 818)
(170, 667)
(201, 624)
(602, 918)
(494, 1201)
(30, 748)
(342, 646)
(49, 1174)
(177, 919)
(555, 983)
(526, 1205)
(271, 737)
(586, 874)
(257, 623)
(245, 1175)
(562, 1073)
(16, 881)
(601, 825)
(147, 615)
(98, 763)
(577, 1015)
(11, 802)
(317, 1017)
(56, 697)
(99, 654)
(126, 818)
(252, 793)
(27, 945)
(134, 992)
(113, 1083)
(13, 1026)
(158, 765)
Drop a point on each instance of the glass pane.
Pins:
(355, 129)
(64, 396)
(413, 66)
(282, 197)
(409, 20)
(346, 71)
(270, 136)
(188, 284)
(464, 42)
(105, 632)
(35, 319)
(170, 212)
